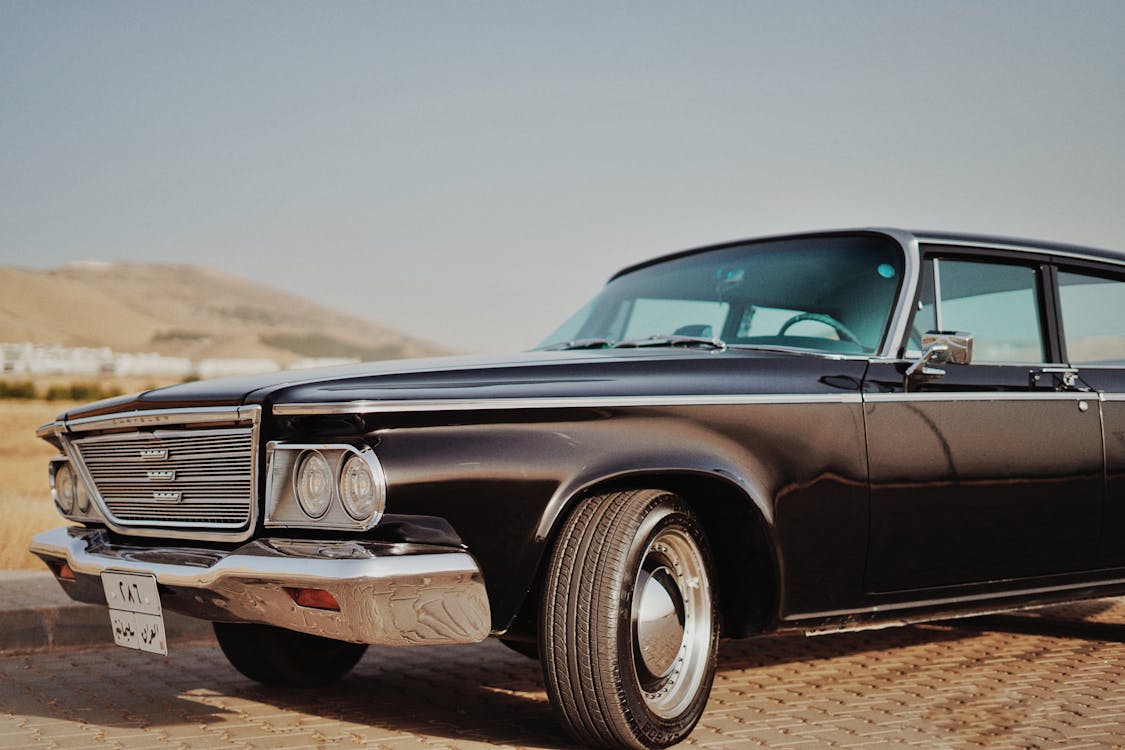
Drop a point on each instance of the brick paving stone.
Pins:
(1042, 683)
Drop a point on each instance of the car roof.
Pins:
(922, 236)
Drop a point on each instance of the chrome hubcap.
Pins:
(671, 619)
(660, 620)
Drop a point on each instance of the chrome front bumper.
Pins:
(389, 594)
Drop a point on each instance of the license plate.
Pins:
(134, 611)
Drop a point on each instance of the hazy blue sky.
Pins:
(472, 172)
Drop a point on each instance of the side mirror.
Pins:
(940, 347)
(958, 343)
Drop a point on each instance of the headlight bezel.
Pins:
(83, 509)
(58, 465)
(282, 507)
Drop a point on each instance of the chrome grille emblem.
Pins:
(167, 497)
(154, 454)
(161, 476)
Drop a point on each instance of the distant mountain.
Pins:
(184, 311)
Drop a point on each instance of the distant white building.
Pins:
(37, 359)
(307, 362)
(151, 365)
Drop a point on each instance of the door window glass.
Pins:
(998, 304)
(1093, 311)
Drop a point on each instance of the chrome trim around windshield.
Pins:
(559, 402)
(895, 340)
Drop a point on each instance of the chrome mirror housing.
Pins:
(959, 345)
(941, 347)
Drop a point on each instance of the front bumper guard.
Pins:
(390, 594)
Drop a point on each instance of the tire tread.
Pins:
(583, 580)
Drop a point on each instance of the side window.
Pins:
(997, 303)
(1093, 312)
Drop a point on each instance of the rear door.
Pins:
(1092, 308)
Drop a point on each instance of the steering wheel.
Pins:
(841, 330)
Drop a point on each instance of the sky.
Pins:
(471, 172)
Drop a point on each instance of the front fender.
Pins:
(504, 485)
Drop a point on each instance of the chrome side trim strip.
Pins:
(951, 600)
(1113, 396)
(560, 402)
(983, 396)
(388, 595)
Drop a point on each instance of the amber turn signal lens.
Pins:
(62, 570)
(314, 598)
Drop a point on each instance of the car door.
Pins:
(993, 469)
(1092, 309)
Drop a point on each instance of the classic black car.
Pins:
(812, 433)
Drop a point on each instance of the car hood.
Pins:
(616, 372)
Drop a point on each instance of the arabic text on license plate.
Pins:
(134, 611)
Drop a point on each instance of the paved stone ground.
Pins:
(1016, 681)
(35, 613)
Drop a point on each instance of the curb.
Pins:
(37, 615)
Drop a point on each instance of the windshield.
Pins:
(829, 294)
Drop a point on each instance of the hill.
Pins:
(184, 311)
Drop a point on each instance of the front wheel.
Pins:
(628, 610)
(276, 656)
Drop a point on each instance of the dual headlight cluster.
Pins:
(324, 486)
(355, 485)
(67, 488)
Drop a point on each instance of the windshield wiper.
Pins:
(579, 344)
(798, 350)
(691, 342)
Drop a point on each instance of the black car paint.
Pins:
(924, 532)
(975, 490)
(503, 477)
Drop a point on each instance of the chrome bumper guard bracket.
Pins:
(389, 594)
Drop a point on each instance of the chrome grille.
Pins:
(193, 478)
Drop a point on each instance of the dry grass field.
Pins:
(25, 496)
(25, 499)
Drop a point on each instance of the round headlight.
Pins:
(65, 489)
(313, 484)
(358, 490)
(83, 496)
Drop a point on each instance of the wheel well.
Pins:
(746, 570)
